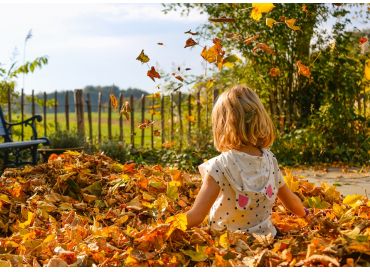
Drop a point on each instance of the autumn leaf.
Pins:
(147, 123)
(190, 42)
(259, 8)
(156, 132)
(191, 33)
(142, 57)
(362, 40)
(168, 144)
(303, 70)
(152, 73)
(224, 241)
(190, 118)
(263, 47)
(353, 200)
(304, 8)
(251, 39)
(113, 101)
(125, 110)
(230, 61)
(270, 22)
(214, 54)
(274, 72)
(198, 255)
(178, 77)
(367, 69)
(160, 43)
(222, 20)
(291, 24)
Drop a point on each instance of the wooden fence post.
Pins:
(180, 121)
(99, 116)
(44, 110)
(215, 96)
(151, 127)
(79, 108)
(110, 118)
(120, 118)
(22, 113)
(171, 109)
(33, 103)
(189, 120)
(142, 118)
(89, 117)
(162, 120)
(132, 127)
(66, 109)
(198, 115)
(56, 110)
(9, 104)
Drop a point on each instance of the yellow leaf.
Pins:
(290, 181)
(291, 24)
(259, 8)
(338, 210)
(367, 69)
(142, 57)
(197, 256)
(25, 224)
(190, 118)
(330, 192)
(178, 221)
(224, 241)
(4, 198)
(270, 22)
(49, 238)
(161, 203)
(353, 200)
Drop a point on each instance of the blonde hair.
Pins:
(239, 118)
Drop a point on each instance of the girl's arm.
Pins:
(203, 202)
(291, 201)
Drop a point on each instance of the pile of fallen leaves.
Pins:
(88, 210)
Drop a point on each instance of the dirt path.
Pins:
(351, 180)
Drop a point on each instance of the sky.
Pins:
(96, 44)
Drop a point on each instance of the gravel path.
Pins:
(352, 180)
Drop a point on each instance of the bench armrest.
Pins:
(28, 122)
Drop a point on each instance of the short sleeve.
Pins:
(213, 167)
(278, 174)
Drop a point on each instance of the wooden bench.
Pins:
(9, 147)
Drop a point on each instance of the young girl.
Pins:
(241, 184)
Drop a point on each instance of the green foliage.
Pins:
(187, 159)
(66, 139)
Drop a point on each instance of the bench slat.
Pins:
(22, 144)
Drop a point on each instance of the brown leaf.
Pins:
(152, 73)
(190, 42)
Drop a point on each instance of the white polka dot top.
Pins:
(249, 186)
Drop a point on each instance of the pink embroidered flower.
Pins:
(269, 191)
(243, 200)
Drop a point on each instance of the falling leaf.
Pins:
(264, 47)
(230, 61)
(367, 69)
(259, 8)
(190, 42)
(251, 39)
(125, 110)
(270, 22)
(142, 57)
(178, 77)
(190, 118)
(214, 54)
(291, 24)
(304, 8)
(303, 70)
(274, 72)
(187, 69)
(222, 20)
(191, 33)
(152, 73)
(160, 43)
(147, 123)
(113, 101)
(156, 132)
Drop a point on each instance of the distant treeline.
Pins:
(93, 91)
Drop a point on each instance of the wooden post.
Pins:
(79, 108)
(121, 118)
(9, 104)
(99, 117)
(189, 120)
(215, 96)
(44, 110)
(33, 103)
(171, 109)
(110, 118)
(198, 115)
(132, 127)
(56, 110)
(180, 121)
(142, 119)
(66, 109)
(22, 114)
(162, 120)
(89, 117)
(152, 127)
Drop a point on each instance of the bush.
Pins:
(66, 139)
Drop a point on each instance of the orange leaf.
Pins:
(190, 42)
(251, 39)
(264, 47)
(191, 33)
(147, 123)
(113, 101)
(303, 70)
(152, 73)
(274, 72)
(126, 108)
(362, 40)
(156, 132)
